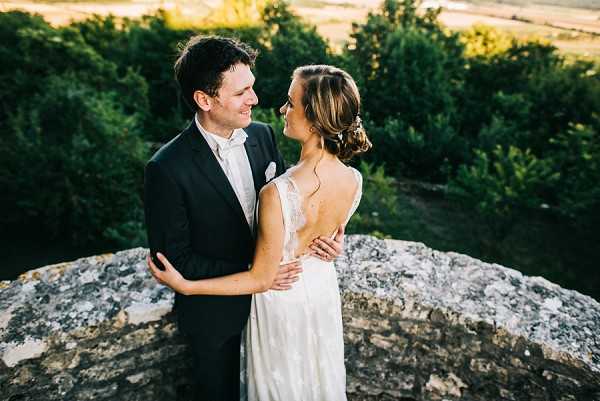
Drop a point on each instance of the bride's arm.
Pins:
(267, 256)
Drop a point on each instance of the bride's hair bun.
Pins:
(332, 104)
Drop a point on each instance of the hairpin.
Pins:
(358, 124)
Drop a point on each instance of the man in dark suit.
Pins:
(200, 198)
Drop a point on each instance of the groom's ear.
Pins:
(203, 100)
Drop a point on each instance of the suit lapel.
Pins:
(208, 164)
(254, 157)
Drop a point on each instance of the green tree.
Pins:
(72, 164)
(64, 120)
(485, 41)
(288, 43)
(505, 73)
(409, 70)
(501, 184)
(378, 209)
(576, 153)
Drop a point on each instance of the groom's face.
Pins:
(232, 107)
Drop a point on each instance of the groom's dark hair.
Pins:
(203, 60)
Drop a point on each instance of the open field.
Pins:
(58, 13)
(572, 30)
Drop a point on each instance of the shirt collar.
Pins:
(215, 140)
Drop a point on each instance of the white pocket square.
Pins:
(270, 171)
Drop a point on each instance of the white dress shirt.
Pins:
(232, 157)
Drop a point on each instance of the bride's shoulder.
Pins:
(291, 175)
(268, 193)
(277, 185)
(357, 173)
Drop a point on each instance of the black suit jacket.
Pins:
(194, 218)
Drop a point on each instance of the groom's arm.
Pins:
(167, 225)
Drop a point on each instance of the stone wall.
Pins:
(419, 325)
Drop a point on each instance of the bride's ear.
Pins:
(203, 100)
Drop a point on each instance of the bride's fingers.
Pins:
(294, 272)
(153, 269)
(281, 287)
(294, 264)
(289, 280)
(164, 261)
(293, 268)
(150, 264)
(290, 274)
(286, 279)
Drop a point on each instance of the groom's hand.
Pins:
(328, 249)
(287, 274)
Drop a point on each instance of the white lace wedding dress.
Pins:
(294, 348)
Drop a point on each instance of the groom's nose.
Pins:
(253, 99)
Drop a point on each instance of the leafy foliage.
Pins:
(379, 203)
(409, 70)
(499, 184)
(576, 153)
(73, 162)
(71, 155)
(287, 43)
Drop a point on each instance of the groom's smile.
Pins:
(236, 97)
(231, 107)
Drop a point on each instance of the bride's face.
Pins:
(296, 125)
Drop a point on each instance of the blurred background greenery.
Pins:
(486, 142)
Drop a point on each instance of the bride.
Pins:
(294, 339)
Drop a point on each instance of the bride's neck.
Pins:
(312, 151)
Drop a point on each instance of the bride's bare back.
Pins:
(328, 208)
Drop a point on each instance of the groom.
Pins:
(200, 198)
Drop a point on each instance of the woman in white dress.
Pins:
(294, 338)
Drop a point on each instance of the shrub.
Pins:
(576, 154)
(413, 153)
(72, 164)
(409, 71)
(378, 209)
(485, 41)
(500, 184)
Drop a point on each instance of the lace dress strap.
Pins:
(280, 184)
(357, 195)
(291, 208)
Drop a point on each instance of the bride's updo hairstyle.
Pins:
(332, 104)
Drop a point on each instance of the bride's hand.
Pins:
(170, 276)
